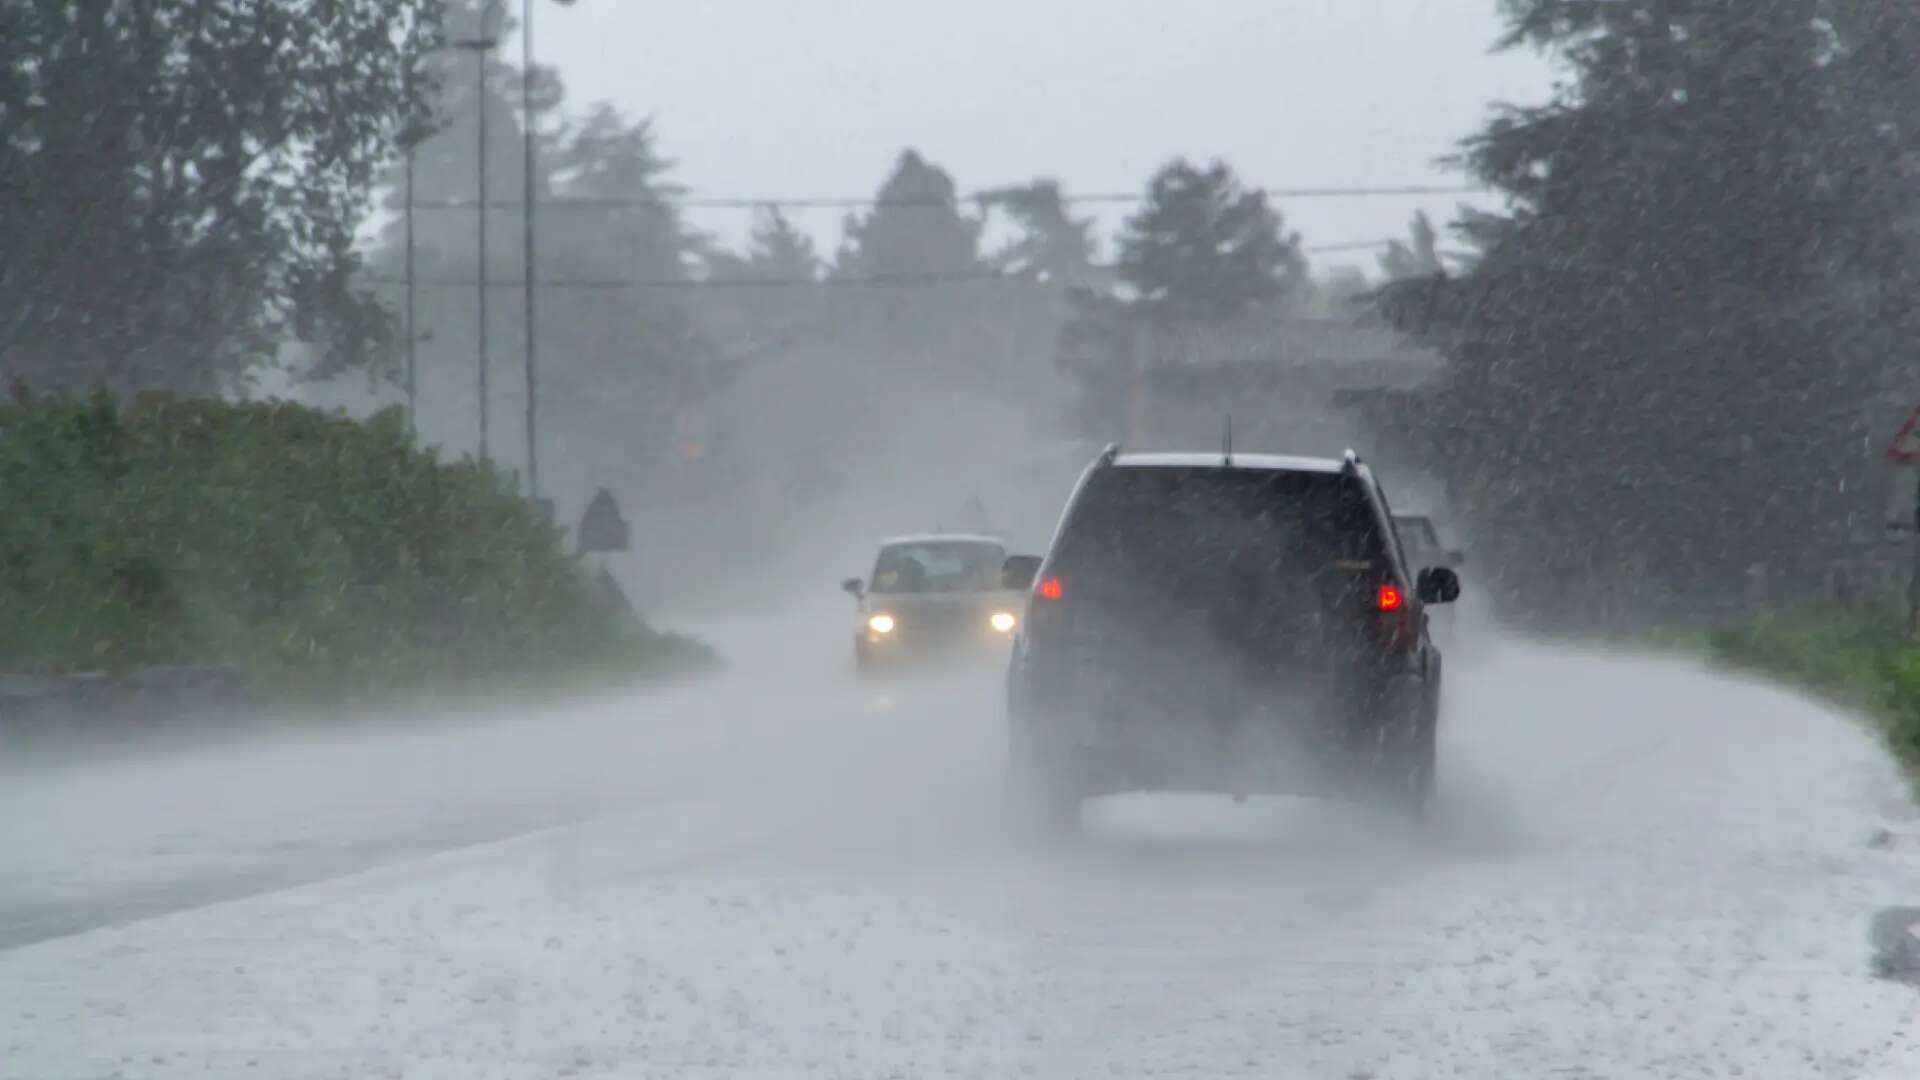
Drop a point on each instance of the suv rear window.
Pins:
(1140, 523)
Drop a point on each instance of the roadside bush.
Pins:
(322, 557)
(1860, 657)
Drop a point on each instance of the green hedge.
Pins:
(1860, 657)
(323, 557)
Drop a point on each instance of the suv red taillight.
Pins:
(1045, 613)
(1395, 626)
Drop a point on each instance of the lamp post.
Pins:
(480, 46)
(413, 406)
(528, 187)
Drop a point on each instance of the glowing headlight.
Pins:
(1002, 621)
(881, 623)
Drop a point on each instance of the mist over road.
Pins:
(1640, 869)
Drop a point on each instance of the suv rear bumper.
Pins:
(1307, 737)
(1117, 768)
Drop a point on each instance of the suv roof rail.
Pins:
(1108, 453)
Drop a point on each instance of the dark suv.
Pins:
(1225, 622)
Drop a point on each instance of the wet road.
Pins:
(1640, 869)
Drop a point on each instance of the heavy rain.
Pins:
(616, 539)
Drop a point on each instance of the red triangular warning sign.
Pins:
(1905, 447)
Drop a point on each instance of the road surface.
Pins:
(1641, 870)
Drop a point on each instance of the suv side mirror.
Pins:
(1018, 572)
(1437, 585)
(853, 587)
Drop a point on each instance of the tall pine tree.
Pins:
(1202, 254)
(1205, 248)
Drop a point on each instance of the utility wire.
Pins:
(714, 283)
(851, 202)
(1350, 245)
(933, 278)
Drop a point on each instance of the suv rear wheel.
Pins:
(1046, 798)
(1402, 754)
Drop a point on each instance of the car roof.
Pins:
(1212, 459)
(934, 538)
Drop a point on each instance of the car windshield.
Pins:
(938, 566)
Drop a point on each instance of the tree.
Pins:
(1343, 291)
(1204, 248)
(776, 252)
(624, 363)
(780, 251)
(1203, 257)
(1053, 246)
(911, 284)
(1417, 257)
(776, 304)
(914, 230)
(628, 362)
(446, 189)
(613, 160)
(180, 183)
(1682, 326)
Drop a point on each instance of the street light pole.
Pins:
(410, 133)
(528, 272)
(413, 407)
(413, 331)
(479, 46)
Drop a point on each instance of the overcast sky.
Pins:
(794, 98)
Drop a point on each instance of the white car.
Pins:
(934, 597)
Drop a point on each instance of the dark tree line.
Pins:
(1670, 362)
(185, 188)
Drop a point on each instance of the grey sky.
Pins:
(817, 97)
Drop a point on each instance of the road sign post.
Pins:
(1904, 450)
(602, 528)
(1913, 575)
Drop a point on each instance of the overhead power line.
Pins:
(1350, 245)
(715, 283)
(957, 277)
(854, 202)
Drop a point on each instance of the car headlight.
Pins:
(1002, 621)
(881, 623)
